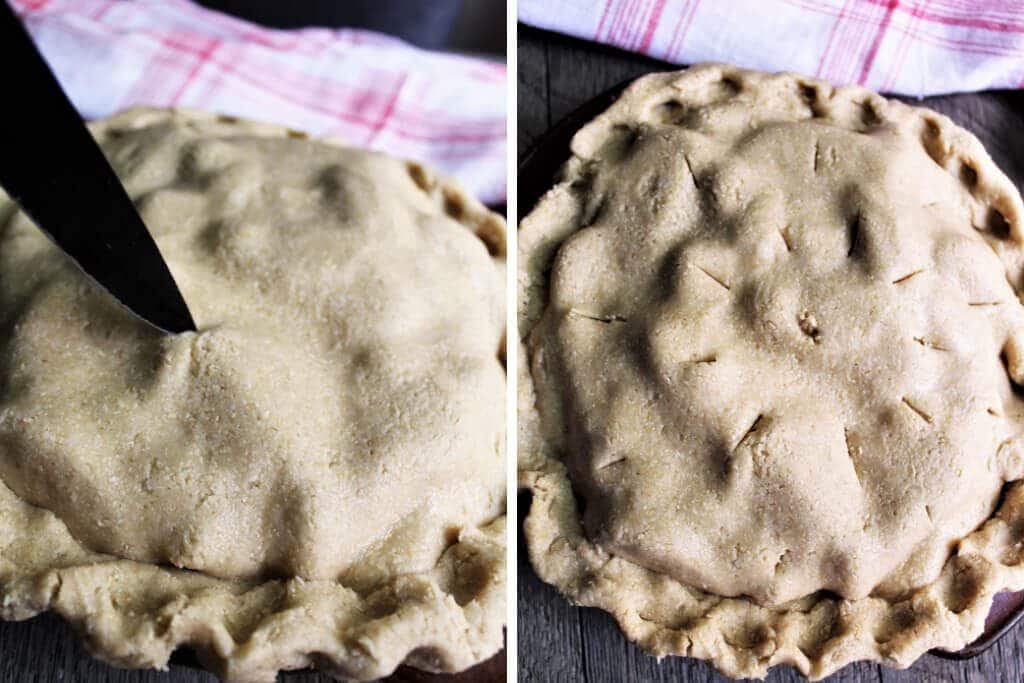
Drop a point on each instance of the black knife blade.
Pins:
(52, 167)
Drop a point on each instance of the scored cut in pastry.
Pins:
(315, 478)
(770, 347)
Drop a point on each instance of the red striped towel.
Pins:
(913, 47)
(370, 89)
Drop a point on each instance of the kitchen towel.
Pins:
(367, 88)
(910, 47)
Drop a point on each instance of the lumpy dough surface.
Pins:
(339, 413)
(775, 340)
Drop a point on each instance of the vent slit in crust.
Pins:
(752, 429)
(930, 344)
(916, 410)
(693, 176)
(892, 199)
(719, 281)
(850, 454)
(901, 280)
(606, 319)
(671, 522)
(854, 231)
(785, 239)
(616, 461)
(315, 477)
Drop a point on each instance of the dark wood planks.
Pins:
(550, 633)
(558, 642)
(45, 649)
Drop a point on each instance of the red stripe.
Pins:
(243, 29)
(972, 21)
(390, 108)
(343, 114)
(670, 50)
(997, 8)
(211, 85)
(637, 23)
(896, 65)
(847, 56)
(652, 26)
(857, 47)
(634, 12)
(622, 25)
(968, 22)
(877, 42)
(965, 45)
(679, 36)
(300, 41)
(310, 42)
(202, 58)
(303, 86)
(102, 10)
(975, 47)
(617, 29)
(694, 8)
(962, 44)
(831, 37)
(616, 22)
(604, 15)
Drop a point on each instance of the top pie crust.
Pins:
(769, 334)
(315, 477)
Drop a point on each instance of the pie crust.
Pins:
(770, 331)
(314, 478)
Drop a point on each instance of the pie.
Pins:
(771, 349)
(315, 477)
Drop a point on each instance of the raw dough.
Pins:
(322, 460)
(764, 326)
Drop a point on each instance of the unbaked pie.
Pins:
(771, 338)
(315, 477)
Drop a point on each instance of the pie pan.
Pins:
(537, 172)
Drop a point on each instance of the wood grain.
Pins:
(558, 642)
(45, 649)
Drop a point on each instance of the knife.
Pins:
(52, 167)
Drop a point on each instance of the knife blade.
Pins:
(51, 166)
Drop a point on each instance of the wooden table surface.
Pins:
(558, 642)
(45, 649)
